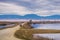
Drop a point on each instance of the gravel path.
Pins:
(8, 34)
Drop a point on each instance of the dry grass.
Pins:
(27, 34)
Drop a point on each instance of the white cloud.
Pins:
(47, 12)
(25, 0)
(8, 8)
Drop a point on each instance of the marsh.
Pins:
(8, 34)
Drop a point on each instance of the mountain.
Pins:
(29, 16)
(10, 16)
(32, 16)
(53, 17)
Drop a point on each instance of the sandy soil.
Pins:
(8, 34)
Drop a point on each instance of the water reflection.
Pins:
(51, 36)
(36, 25)
(48, 26)
(6, 25)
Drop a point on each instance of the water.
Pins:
(5, 25)
(49, 26)
(35, 25)
(40, 26)
(2, 26)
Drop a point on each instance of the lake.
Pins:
(49, 26)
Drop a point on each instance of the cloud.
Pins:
(6, 8)
(55, 2)
(37, 4)
(47, 12)
(23, 7)
(40, 4)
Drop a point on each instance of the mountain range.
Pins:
(29, 16)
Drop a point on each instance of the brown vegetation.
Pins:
(28, 35)
(26, 32)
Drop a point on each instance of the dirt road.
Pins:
(8, 34)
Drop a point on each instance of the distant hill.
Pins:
(32, 16)
(10, 16)
(53, 17)
(29, 16)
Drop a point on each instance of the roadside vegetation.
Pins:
(28, 34)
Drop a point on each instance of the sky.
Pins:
(23, 7)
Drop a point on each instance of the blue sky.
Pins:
(23, 7)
